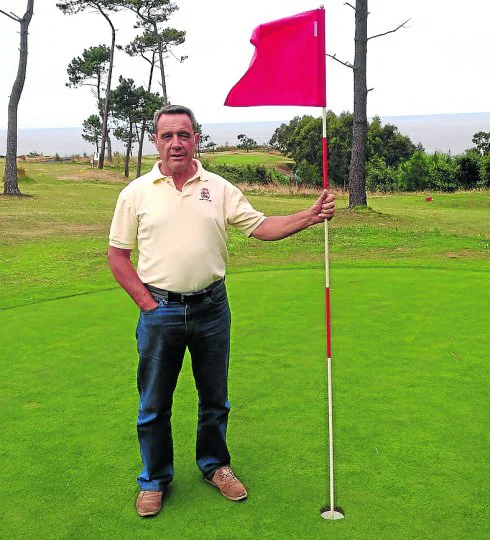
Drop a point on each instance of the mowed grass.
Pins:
(54, 242)
(410, 301)
(410, 402)
(245, 158)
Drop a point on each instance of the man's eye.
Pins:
(167, 136)
(184, 135)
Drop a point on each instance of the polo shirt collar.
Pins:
(156, 175)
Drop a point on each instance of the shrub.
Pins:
(413, 174)
(251, 174)
(22, 176)
(484, 181)
(380, 177)
(469, 170)
(308, 174)
(443, 172)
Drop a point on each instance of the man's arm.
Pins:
(278, 227)
(122, 269)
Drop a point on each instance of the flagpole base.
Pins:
(326, 513)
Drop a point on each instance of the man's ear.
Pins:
(154, 138)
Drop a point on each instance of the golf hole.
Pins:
(337, 514)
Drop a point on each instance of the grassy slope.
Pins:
(410, 304)
(55, 241)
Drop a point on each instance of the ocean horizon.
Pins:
(448, 133)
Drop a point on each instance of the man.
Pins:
(177, 216)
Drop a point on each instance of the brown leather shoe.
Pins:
(229, 485)
(149, 503)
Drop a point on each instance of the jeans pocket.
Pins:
(155, 309)
(217, 297)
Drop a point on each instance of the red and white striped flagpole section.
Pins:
(329, 512)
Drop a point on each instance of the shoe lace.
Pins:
(226, 474)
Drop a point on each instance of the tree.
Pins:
(301, 140)
(210, 146)
(443, 171)
(147, 46)
(379, 176)
(388, 143)
(92, 130)
(11, 185)
(482, 142)
(90, 69)
(203, 138)
(484, 181)
(283, 137)
(131, 106)
(357, 170)
(150, 14)
(246, 142)
(413, 174)
(104, 7)
(469, 169)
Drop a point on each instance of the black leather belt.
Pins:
(184, 298)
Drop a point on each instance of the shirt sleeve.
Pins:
(241, 214)
(124, 226)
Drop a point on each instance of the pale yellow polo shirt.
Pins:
(180, 236)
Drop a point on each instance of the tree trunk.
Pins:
(140, 149)
(357, 171)
(109, 148)
(128, 150)
(143, 127)
(105, 132)
(162, 68)
(11, 186)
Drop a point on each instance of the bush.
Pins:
(443, 172)
(251, 174)
(380, 177)
(23, 177)
(469, 170)
(484, 181)
(412, 175)
(308, 174)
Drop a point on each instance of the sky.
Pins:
(437, 65)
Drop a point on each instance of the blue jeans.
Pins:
(163, 335)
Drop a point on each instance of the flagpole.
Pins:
(329, 512)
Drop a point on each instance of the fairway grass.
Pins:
(247, 158)
(410, 318)
(410, 350)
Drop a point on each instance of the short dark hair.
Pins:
(175, 109)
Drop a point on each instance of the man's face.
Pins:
(176, 142)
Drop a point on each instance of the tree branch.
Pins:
(347, 64)
(12, 16)
(181, 59)
(370, 89)
(350, 5)
(391, 31)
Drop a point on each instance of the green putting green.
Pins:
(410, 357)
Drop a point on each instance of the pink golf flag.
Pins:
(288, 66)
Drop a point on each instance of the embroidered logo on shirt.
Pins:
(205, 195)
